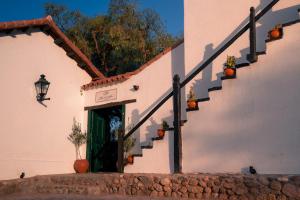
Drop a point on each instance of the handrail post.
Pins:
(177, 124)
(120, 163)
(209, 61)
(252, 56)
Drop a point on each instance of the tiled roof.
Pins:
(106, 81)
(122, 77)
(47, 25)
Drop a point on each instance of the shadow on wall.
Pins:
(152, 133)
(261, 129)
(202, 85)
(135, 116)
(264, 25)
(227, 142)
(170, 135)
(177, 67)
(271, 19)
(15, 32)
(206, 81)
(151, 130)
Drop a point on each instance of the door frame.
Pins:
(90, 128)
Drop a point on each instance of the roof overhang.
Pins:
(48, 26)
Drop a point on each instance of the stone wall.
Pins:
(200, 186)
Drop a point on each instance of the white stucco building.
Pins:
(252, 120)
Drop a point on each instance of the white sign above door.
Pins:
(106, 95)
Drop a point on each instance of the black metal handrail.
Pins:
(200, 68)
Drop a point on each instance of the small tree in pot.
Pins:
(78, 138)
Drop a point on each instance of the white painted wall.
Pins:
(254, 120)
(202, 37)
(209, 24)
(34, 137)
(154, 82)
(231, 132)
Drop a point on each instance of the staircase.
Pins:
(240, 144)
(206, 107)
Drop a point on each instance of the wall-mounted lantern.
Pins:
(41, 87)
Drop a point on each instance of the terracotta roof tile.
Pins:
(56, 33)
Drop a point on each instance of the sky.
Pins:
(171, 11)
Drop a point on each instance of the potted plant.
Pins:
(78, 138)
(128, 144)
(162, 130)
(191, 99)
(275, 33)
(230, 66)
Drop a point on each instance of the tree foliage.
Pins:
(118, 42)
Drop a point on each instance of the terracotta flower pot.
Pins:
(160, 133)
(229, 72)
(130, 159)
(81, 166)
(275, 34)
(192, 104)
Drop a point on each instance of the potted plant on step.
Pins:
(275, 33)
(128, 145)
(162, 130)
(191, 99)
(78, 138)
(229, 69)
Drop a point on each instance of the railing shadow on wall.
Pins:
(244, 141)
(201, 85)
(135, 116)
(216, 143)
(270, 20)
(177, 63)
(201, 91)
(264, 25)
(210, 49)
(219, 50)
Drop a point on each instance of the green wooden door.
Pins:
(96, 141)
(102, 146)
